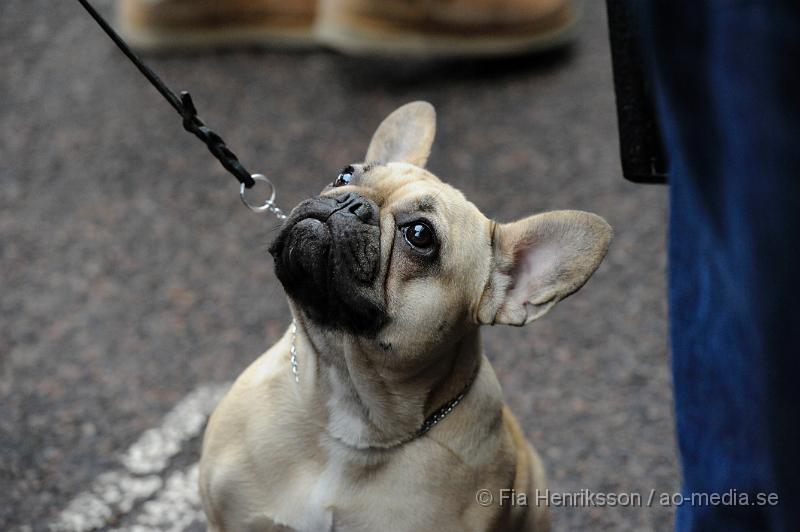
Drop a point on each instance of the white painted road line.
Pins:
(175, 508)
(153, 450)
(114, 494)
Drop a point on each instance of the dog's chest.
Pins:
(320, 498)
(342, 496)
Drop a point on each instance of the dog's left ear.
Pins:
(540, 260)
(405, 136)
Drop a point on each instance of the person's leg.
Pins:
(727, 77)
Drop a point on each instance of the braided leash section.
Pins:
(215, 144)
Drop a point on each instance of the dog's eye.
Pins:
(344, 177)
(419, 234)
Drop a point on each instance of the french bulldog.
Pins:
(381, 413)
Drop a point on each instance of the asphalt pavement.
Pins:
(135, 284)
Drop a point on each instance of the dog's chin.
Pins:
(314, 263)
(301, 256)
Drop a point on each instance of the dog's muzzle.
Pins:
(327, 256)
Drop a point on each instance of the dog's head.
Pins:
(392, 255)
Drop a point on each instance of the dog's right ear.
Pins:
(405, 136)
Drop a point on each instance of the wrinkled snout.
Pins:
(327, 256)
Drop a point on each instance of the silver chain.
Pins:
(293, 351)
(277, 212)
(274, 209)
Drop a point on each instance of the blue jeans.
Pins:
(727, 80)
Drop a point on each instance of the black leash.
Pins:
(185, 108)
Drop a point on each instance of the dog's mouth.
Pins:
(327, 256)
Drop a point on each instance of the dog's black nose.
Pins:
(359, 206)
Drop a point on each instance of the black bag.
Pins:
(641, 149)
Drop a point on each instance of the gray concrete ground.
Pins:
(132, 276)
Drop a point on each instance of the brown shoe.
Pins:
(444, 27)
(158, 24)
(378, 27)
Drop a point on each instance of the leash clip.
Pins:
(269, 204)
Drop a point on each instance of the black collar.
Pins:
(438, 415)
